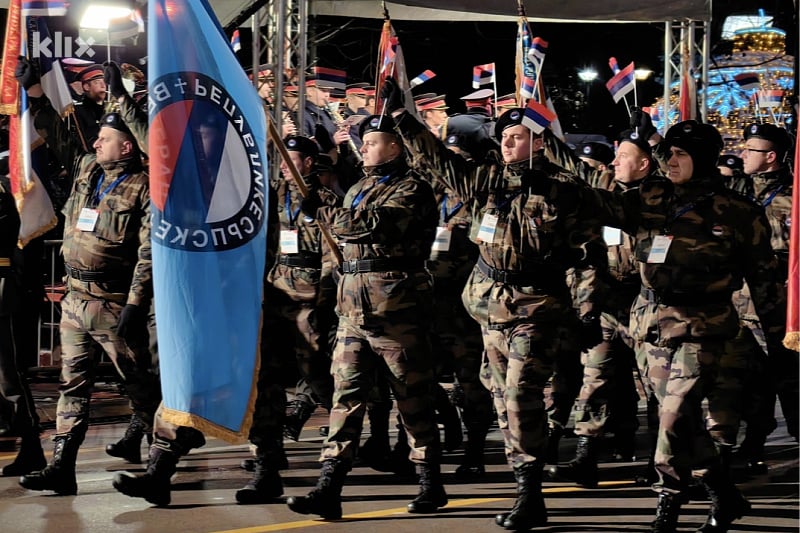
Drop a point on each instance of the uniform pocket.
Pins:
(116, 220)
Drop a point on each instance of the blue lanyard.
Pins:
(447, 215)
(289, 215)
(98, 196)
(771, 197)
(360, 196)
(688, 207)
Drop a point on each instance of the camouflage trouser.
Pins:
(87, 325)
(457, 340)
(400, 350)
(520, 360)
(681, 376)
(309, 326)
(566, 384)
(608, 388)
(738, 389)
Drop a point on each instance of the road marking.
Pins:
(402, 510)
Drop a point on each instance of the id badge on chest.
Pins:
(87, 220)
(487, 228)
(612, 236)
(659, 249)
(289, 241)
(442, 242)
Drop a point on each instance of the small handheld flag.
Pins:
(236, 42)
(44, 8)
(422, 78)
(482, 75)
(612, 62)
(770, 98)
(537, 117)
(537, 52)
(527, 88)
(622, 83)
(747, 80)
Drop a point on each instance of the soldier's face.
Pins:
(379, 148)
(111, 145)
(757, 155)
(681, 166)
(630, 163)
(302, 164)
(515, 144)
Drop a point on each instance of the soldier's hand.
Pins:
(642, 123)
(311, 204)
(25, 73)
(113, 78)
(132, 321)
(392, 95)
(591, 332)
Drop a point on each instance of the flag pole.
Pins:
(272, 133)
(494, 75)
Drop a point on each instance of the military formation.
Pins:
(548, 283)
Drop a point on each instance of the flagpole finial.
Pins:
(385, 10)
(520, 8)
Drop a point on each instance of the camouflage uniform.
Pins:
(607, 390)
(107, 268)
(308, 310)
(684, 313)
(384, 303)
(517, 291)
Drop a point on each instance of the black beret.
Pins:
(304, 145)
(381, 123)
(772, 133)
(731, 161)
(597, 151)
(114, 120)
(512, 117)
(691, 135)
(633, 136)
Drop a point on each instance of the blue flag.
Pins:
(208, 173)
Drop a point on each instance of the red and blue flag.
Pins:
(208, 179)
(482, 75)
(537, 52)
(622, 83)
(747, 80)
(44, 8)
(422, 78)
(236, 42)
(537, 116)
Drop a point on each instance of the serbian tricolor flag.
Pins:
(482, 75)
(622, 83)
(392, 64)
(208, 179)
(747, 80)
(44, 8)
(792, 339)
(537, 52)
(537, 116)
(422, 78)
(236, 42)
(528, 87)
(770, 98)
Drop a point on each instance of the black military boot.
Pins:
(154, 484)
(266, 485)
(326, 499)
(59, 475)
(431, 491)
(667, 512)
(529, 510)
(449, 418)
(30, 457)
(376, 451)
(129, 447)
(472, 465)
(583, 468)
(727, 503)
(297, 415)
(751, 451)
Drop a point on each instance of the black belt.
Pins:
(90, 275)
(299, 261)
(390, 264)
(547, 278)
(685, 299)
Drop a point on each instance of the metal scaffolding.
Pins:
(684, 42)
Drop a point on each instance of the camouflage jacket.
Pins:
(303, 283)
(716, 238)
(535, 236)
(119, 245)
(391, 215)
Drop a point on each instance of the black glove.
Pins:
(113, 78)
(642, 123)
(310, 205)
(26, 73)
(392, 95)
(323, 138)
(132, 321)
(591, 333)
